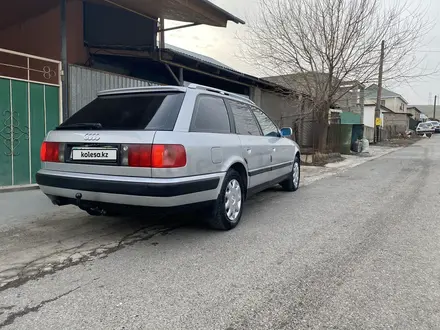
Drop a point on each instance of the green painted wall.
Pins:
(350, 118)
(5, 133)
(37, 126)
(20, 132)
(35, 111)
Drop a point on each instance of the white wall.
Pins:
(369, 115)
(391, 103)
(394, 104)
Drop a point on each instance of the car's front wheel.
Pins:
(292, 182)
(229, 204)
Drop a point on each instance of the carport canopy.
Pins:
(191, 11)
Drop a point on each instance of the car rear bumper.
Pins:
(125, 190)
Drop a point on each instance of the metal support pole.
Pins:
(173, 74)
(379, 92)
(435, 104)
(181, 77)
(64, 63)
(162, 33)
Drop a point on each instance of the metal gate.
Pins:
(30, 106)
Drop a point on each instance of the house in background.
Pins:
(426, 111)
(393, 101)
(396, 118)
(351, 97)
(415, 111)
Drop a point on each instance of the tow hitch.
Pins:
(78, 197)
(90, 209)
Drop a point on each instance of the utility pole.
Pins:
(379, 92)
(435, 104)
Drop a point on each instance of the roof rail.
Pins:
(216, 90)
(140, 89)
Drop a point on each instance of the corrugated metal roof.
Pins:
(198, 57)
(194, 11)
(219, 65)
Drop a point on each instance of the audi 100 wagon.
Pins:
(166, 147)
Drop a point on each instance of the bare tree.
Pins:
(314, 46)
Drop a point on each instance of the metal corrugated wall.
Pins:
(85, 83)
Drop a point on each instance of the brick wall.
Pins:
(396, 123)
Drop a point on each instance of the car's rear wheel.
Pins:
(292, 182)
(229, 205)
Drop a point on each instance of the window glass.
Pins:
(245, 123)
(211, 115)
(139, 111)
(267, 126)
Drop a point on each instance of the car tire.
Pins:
(292, 183)
(228, 207)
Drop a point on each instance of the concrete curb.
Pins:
(337, 170)
(19, 188)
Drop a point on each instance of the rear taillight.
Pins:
(139, 155)
(50, 152)
(156, 155)
(168, 156)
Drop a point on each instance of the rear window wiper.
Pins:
(80, 126)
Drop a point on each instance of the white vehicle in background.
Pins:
(425, 128)
(435, 124)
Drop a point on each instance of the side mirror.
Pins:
(286, 131)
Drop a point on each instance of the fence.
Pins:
(307, 133)
(30, 106)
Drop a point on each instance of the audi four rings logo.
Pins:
(91, 137)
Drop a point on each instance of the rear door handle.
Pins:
(274, 149)
(249, 150)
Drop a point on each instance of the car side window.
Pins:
(210, 115)
(245, 123)
(267, 126)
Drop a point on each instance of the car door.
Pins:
(254, 147)
(280, 149)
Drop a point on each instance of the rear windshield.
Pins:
(146, 111)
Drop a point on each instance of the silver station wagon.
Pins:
(167, 147)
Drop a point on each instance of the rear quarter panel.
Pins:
(206, 153)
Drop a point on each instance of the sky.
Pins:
(223, 45)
